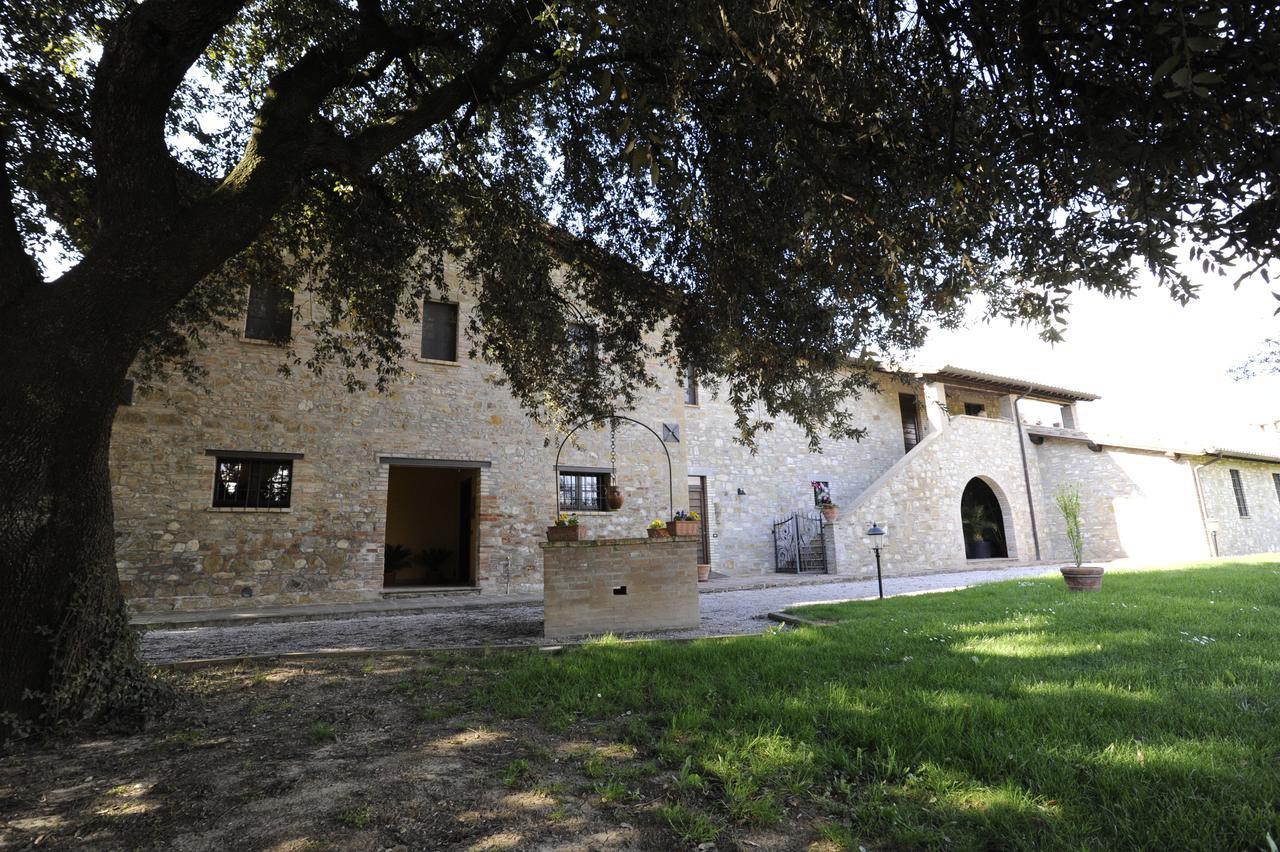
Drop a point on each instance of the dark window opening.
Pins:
(690, 387)
(440, 331)
(910, 420)
(1237, 485)
(975, 409)
(1275, 477)
(583, 347)
(269, 315)
(243, 483)
(582, 492)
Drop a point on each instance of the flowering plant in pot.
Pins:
(822, 497)
(564, 529)
(658, 529)
(1080, 578)
(684, 523)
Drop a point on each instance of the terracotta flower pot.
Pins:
(613, 497)
(659, 533)
(679, 528)
(704, 573)
(1086, 578)
(564, 533)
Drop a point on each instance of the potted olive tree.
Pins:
(1080, 578)
(980, 532)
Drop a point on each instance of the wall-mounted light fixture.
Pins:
(742, 493)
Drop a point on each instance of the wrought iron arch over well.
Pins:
(671, 489)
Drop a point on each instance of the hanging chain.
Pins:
(613, 448)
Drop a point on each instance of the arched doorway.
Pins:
(982, 518)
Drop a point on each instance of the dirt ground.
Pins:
(364, 753)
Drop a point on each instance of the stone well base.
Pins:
(619, 585)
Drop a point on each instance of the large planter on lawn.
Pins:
(1086, 578)
(568, 532)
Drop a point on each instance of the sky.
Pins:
(1161, 368)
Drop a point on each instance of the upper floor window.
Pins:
(582, 492)
(440, 331)
(690, 381)
(1275, 477)
(269, 315)
(1237, 485)
(583, 346)
(253, 483)
(975, 409)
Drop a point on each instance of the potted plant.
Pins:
(613, 497)
(658, 529)
(684, 523)
(564, 529)
(830, 511)
(1080, 578)
(980, 532)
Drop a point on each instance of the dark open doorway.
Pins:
(430, 532)
(983, 522)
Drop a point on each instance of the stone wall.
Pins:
(175, 551)
(1260, 531)
(1133, 504)
(918, 501)
(775, 480)
(619, 586)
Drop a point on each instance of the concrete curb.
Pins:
(339, 653)
(795, 620)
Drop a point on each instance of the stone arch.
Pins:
(985, 507)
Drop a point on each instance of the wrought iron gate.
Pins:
(800, 544)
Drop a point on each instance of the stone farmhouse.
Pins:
(267, 490)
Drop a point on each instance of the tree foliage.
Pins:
(791, 184)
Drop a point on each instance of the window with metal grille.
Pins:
(269, 315)
(583, 347)
(690, 387)
(582, 492)
(251, 483)
(1275, 477)
(1237, 485)
(440, 331)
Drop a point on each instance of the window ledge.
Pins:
(437, 361)
(587, 512)
(242, 510)
(254, 341)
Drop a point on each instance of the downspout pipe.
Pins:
(1026, 472)
(1204, 510)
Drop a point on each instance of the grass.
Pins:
(1011, 715)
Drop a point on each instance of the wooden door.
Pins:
(698, 503)
(910, 420)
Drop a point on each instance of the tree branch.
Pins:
(143, 63)
(18, 270)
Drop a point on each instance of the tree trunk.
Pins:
(66, 650)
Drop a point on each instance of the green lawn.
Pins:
(1011, 715)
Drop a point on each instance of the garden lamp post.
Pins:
(876, 535)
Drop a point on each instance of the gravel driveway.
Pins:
(723, 613)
